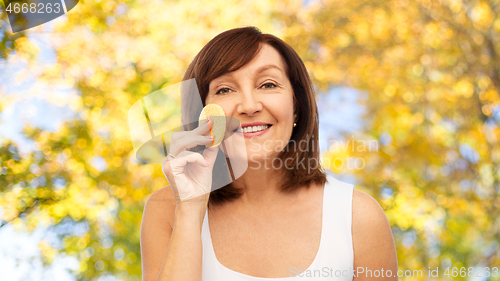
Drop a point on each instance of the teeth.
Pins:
(255, 128)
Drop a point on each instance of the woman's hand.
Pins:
(190, 173)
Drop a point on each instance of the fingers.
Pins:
(166, 168)
(190, 142)
(178, 135)
(204, 128)
(210, 154)
(188, 178)
(182, 141)
(184, 158)
(189, 173)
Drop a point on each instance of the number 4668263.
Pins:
(33, 8)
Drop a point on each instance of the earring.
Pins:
(294, 124)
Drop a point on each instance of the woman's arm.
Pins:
(372, 240)
(171, 246)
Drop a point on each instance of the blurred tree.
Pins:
(85, 175)
(431, 70)
(7, 38)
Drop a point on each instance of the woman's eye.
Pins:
(219, 91)
(268, 85)
(271, 84)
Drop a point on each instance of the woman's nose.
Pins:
(249, 103)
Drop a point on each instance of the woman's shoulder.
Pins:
(365, 206)
(371, 232)
(365, 209)
(366, 212)
(160, 207)
(163, 193)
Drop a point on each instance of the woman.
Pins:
(270, 223)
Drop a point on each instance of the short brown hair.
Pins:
(230, 51)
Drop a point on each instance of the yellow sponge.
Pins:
(217, 120)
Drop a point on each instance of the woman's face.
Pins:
(260, 96)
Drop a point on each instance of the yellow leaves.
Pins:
(48, 252)
(81, 143)
(433, 94)
(9, 202)
(116, 162)
(100, 196)
(26, 48)
(482, 16)
(484, 82)
(107, 6)
(486, 172)
(417, 70)
(343, 40)
(47, 150)
(76, 104)
(19, 167)
(390, 90)
(52, 72)
(129, 73)
(432, 29)
(486, 109)
(432, 35)
(43, 193)
(417, 118)
(96, 79)
(76, 213)
(402, 212)
(59, 210)
(119, 192)
(74, 166)
(10, 163)
(380, 28)
(361, 31)
(319, 74)
(455, 5)
(463, 88)
(138, 195)
(92, 22)
(67, 153)
(144, 88)
(497, 24)
(402, 124)
(408, 97)
(448, 33)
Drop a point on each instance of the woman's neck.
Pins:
(261, 187)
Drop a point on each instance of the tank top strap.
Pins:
(337, 250)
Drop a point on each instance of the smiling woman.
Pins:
(283, 217)
(243, 70)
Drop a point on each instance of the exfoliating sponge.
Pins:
(217, 120)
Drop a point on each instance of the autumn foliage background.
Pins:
(430, 71)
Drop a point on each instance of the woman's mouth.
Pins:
(253, 131)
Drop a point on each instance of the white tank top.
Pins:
(334, 259)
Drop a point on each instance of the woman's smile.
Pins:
(254, 129)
